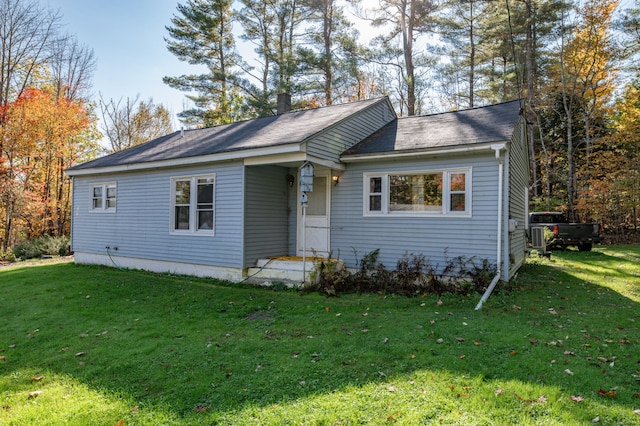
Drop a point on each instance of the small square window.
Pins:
(103, 197)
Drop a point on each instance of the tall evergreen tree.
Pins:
(201, 35)
(258, 21)
(460, 29)
(331, 60)
(406, 20)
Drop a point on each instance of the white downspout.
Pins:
(498, 149)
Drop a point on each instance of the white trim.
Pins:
(193, 202)
(419, 153)
(445, 209)
(300, 249)
(190, 161)
(178, 268)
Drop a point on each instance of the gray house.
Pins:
(224, 201)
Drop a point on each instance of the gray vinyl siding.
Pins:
(518, 193)
(140, 226)
(439, 239)
(266, 213)
(330, 144)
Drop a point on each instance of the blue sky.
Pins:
(127, 38)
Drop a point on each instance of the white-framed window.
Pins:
(104, 197)
(418, 193)
(193, 205)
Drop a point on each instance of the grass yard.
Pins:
(92, 345)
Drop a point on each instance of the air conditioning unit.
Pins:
(537, 238)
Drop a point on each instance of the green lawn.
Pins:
(92, 345)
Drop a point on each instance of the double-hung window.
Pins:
(193, 205)
(418, 193)
(103, 197)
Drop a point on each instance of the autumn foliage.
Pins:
(39, 139)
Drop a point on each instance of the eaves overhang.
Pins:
(243, 154)
(425, 152)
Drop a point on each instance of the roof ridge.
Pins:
(460, 110)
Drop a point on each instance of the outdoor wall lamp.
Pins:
(290, 180)
(335, 179)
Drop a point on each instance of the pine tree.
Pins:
(201, 35)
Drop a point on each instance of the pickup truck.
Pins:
(582, 235)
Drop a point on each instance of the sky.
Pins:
(127, 38)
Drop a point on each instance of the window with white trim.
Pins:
(418, 193)
(193, 205)
(103, 197)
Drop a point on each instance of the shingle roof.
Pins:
(292, 127)
(450, 129)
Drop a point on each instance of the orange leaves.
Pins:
(39, 136)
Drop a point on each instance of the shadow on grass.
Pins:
(186, 350)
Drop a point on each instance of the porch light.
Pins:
(335, 179)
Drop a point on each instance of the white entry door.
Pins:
(316, 224)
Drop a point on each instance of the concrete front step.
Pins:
(288, 270)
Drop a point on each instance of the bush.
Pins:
(414, 275)
(7, 256)
(45, 245)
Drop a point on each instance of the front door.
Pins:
(316, 224)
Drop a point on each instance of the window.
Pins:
(442, 192)
(103, 197)
(192, 209)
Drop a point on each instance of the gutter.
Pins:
(447, 150)
(498, 149)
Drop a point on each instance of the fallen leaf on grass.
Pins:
(533, 341)
(569, 353)
(120, 422)
(569, 372)
(80, 353)
(595, 419)
(552, 311)
(35, 394)
(512, 353)
(498, 391)
(37, 379)
(439, 302)
(608, 393)
(200, 408)
(577, 398)
(462, 356)
(636, 412)
(460, 339)
(392, 389)
(477, 343)
(3, 358)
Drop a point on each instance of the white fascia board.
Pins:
(293, 159)
(424, 153)
(243, 154)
